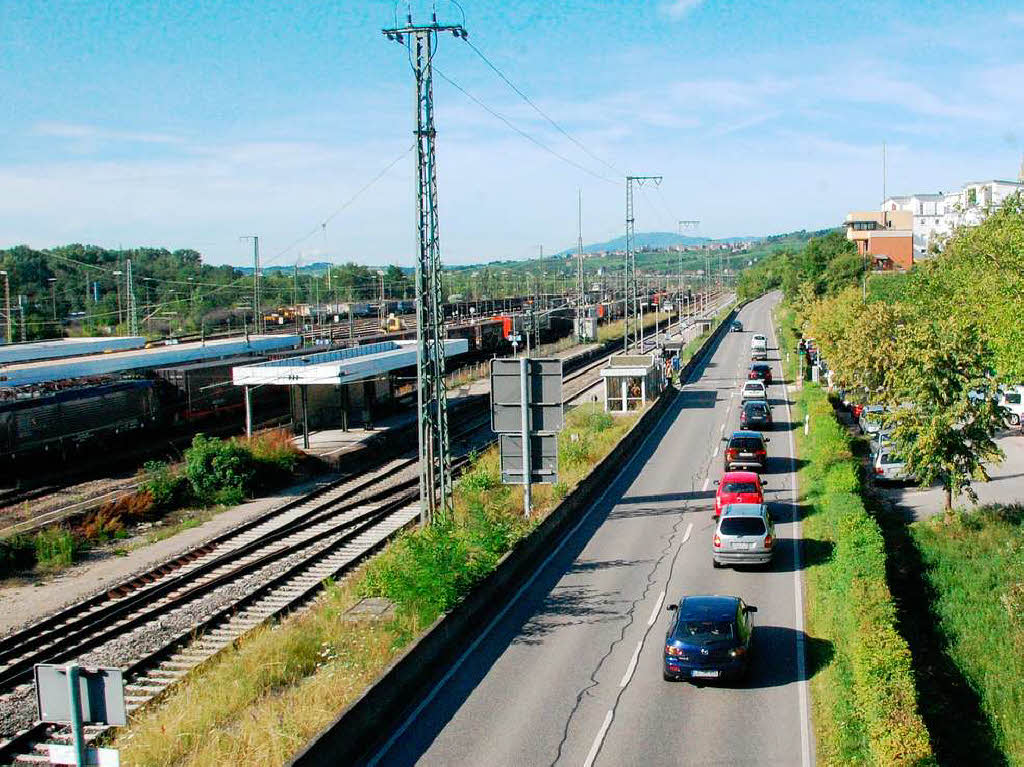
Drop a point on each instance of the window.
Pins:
(743, 526)
(704, 631)
(755, 408)
(739, 487)
(746, 444)
(1012, 398)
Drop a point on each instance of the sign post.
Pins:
(78, 696)
(526, 410)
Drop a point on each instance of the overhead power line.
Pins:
(540, 111)
(520, 131)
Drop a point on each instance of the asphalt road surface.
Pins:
(570, 672)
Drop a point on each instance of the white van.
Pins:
(1012, 399)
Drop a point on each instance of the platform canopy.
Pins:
(339, 366)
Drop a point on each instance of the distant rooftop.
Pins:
(56, 348)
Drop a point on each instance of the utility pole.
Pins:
(629, 287)
(133, 311)
(257, 315)
(579, 267)
(7, 305)
(432, 398)
(53, 297)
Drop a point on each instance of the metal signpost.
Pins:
(526, 410)
(79, 696)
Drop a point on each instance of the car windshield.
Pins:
(739, 487)
(704, 631)
(745, 443)
(743, 526)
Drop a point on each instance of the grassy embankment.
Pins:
(260, 702)
(974, 567)
(863, 696)
(215, 474)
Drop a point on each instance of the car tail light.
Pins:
(730, 452)
(768, 541)
(717, 540)
(676, 652)
(762, 452)
(738, 652)
(879, 470)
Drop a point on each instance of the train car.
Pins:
(201, 389)
(76, 415)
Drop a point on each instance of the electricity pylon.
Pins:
(133, 309)
(432, 399)
(630, 299)
(580, 291)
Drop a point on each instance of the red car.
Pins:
(760, 371)
(738, 487)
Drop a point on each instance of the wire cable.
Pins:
(520, 131)
(540, 111)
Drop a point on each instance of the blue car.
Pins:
(708, 639)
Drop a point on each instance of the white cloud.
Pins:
(78, 131)
(676, 9)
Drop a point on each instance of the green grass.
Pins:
(975, 567)
(864, 701)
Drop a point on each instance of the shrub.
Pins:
(168, 488)
(56, 548)
(218, 471)
(17, 553)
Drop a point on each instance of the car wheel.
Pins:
(1014, 419)
(667, 676)
(716, 564)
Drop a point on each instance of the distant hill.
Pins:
(655, 240)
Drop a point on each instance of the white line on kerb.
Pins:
(599, 739)
(722, 427)
(715, 453)
(632, 664)
(798, 596)
(657, 609)
(707, 481)
(686, 535)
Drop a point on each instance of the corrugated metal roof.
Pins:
(68, 347)
(137, 359)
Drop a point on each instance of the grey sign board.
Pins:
(544, 390)
(543, 458)
(101, 695)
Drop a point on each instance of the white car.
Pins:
(754, 390)
(870, 420)
(888, 467)
(759, 347)
(1012, 399)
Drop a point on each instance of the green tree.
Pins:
(943, 399)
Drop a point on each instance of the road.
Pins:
(570, 671)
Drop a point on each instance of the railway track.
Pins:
(159, 625)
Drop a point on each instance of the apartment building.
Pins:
(886, 237)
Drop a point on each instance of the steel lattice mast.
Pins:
(133, 311)
(432, 399)
(629, 295)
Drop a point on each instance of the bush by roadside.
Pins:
(974, 565)
(865, 705)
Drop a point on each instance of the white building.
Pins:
(938, 215)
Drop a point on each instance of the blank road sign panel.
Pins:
(101, 692)
(543, 458)
(544, 386)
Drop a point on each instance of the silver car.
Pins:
(745, 536)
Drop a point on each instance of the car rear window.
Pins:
(1012, 398)
(743, 526)
(739, 487)
(755, 408)
(704, 631)
(745, 443)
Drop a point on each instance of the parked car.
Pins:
(1012, 400)
(738, 487)
(756, 414)
(737, 326)
(754, 390)
(760, 371)
(887, 466)
(709, 637)
(870, 418)
(745, 536)
(746, 449)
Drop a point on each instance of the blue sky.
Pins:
(187, 124)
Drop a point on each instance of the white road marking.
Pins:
(657, 609)
(429, 697)
(686, 535)
(599, 739)
(707, 482)
(715, 454)
(720, 428)
(798, 596)
(632, 664)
